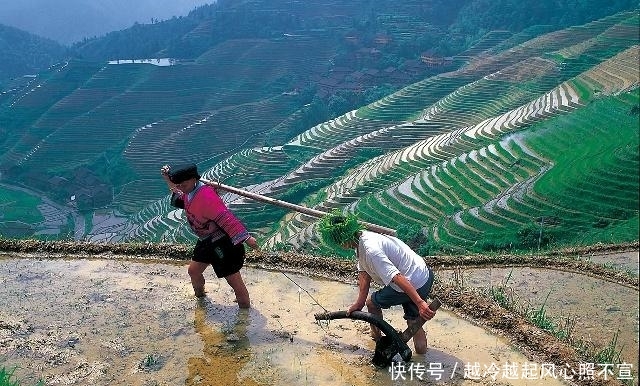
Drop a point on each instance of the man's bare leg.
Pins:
(375, 310)
(420, 338)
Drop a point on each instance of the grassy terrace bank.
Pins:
(568, 258)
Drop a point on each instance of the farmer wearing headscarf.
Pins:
(404, 276)
(220, 234)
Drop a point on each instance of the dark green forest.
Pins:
(23, 53)
(441, 27)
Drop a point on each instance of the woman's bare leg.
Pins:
(240, 289)
(196, 271)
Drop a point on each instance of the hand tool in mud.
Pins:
(392, 342)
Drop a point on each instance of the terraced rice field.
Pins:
(85, 335)
(483, 176)
(458, 154)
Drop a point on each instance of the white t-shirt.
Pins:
(383, 257)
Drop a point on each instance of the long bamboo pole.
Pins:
(298, 208)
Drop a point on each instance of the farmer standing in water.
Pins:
(221, 236)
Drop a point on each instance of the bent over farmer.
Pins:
(405, 278)
(220, 234)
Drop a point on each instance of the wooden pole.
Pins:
(298, 208)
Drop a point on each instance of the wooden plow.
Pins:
(392, 342)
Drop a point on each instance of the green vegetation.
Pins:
(507, 140)
(11, 199)
(504, 296)
(150, 362)
(25, 54)
(443, 27)
(538, 317)
(19, 214)
(7, 378)
(298, 193)
(597, 174)
(587, 195)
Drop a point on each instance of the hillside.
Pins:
(506, 145)
(512, 151)
(70, 21)
(25, 54)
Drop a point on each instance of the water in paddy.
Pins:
(598, 311)
(112, 322)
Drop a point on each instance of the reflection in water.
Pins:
(162, 62)
(226, 351)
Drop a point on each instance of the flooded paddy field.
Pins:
(82, 320)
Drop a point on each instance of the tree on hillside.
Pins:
(516, 15)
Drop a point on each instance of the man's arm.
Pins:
(364, 283)
(425, 312)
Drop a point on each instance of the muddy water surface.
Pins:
(116, 322)
(600, 310)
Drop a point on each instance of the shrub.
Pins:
(413, 235)
(533, 235)
(496, 242)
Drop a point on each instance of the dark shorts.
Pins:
(387, 297)
(225, 258)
